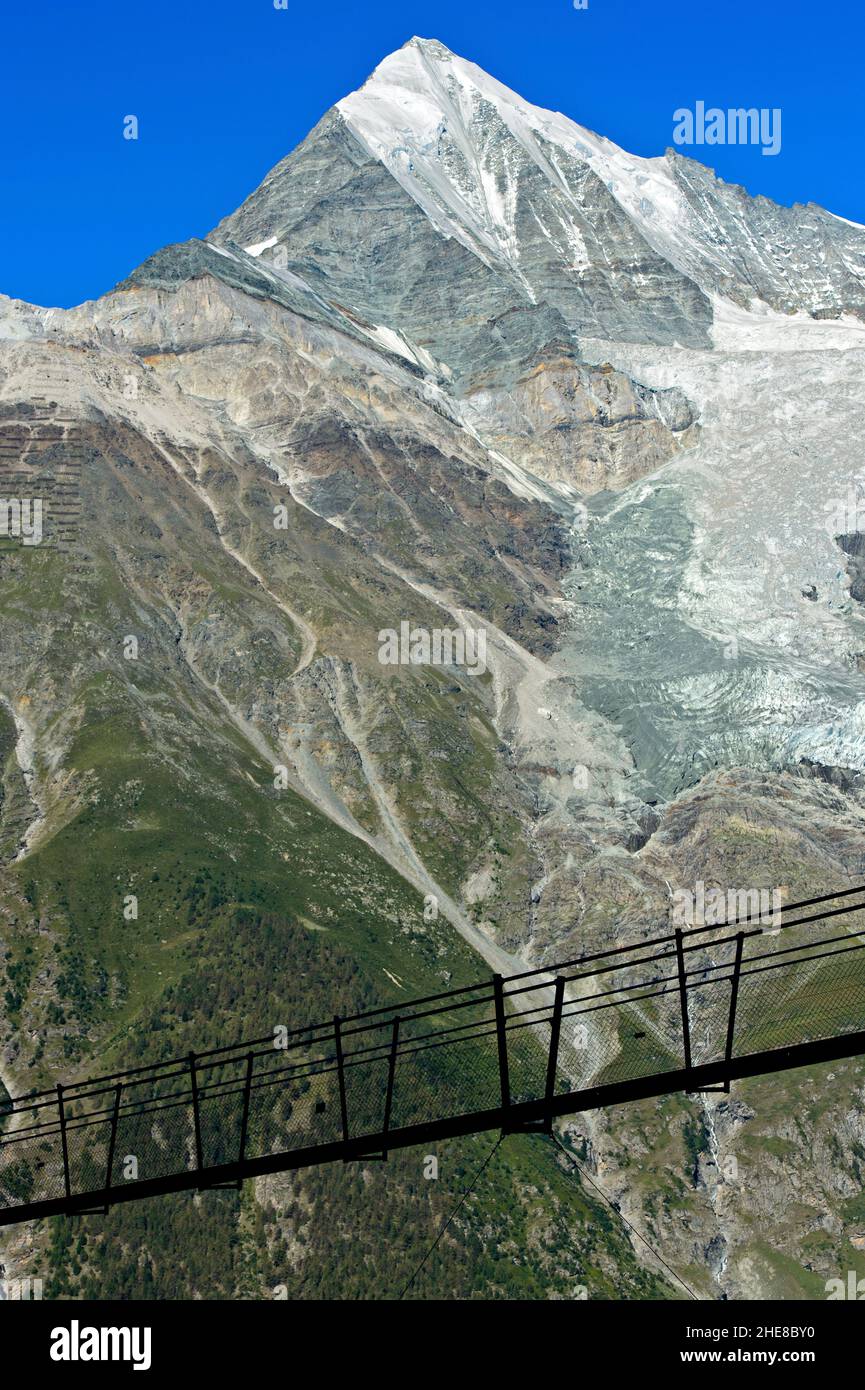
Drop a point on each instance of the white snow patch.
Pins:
(762, 329)
(259, 246)
(394, 341)
(859, 226)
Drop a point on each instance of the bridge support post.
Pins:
(196, 1117)
(244, 1118)
(340, 1069)
(734, 996)
(555, 1033)
(391, 1073)
(501, 1036)
(62, 1116)
(683, 998)
(115, 1116)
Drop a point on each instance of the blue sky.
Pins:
(223, 89)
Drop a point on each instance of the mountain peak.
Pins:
(433, 46)
(619, 246)
(463, 145)
(488, 168)
(427, 67)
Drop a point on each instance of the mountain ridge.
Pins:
(470, 190)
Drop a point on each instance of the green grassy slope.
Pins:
(252, 908)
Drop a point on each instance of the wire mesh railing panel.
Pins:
(802, 999)
(87, 1147)
(589, 1044)
(528, 1052)
(456, 1078)
(622, 1023)
(269, 1111)
(31, 1166)
(636, 1039)
(220, 1118)
(366, 1095)
(154, 1140)
(307, 1112)
(529, 1034)
(709, 1017)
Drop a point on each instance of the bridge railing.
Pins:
(664, 1005)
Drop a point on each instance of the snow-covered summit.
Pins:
(423, 98)
(476, 156)
(597, 242)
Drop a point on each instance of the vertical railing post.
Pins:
(112, 1143)
(391, 1071)
(62, 1114)
(555, 1033)
(244, 1118)
(340, 1069)
(683, 997)
(501, 1035)
(734, 996)
(193, 1075)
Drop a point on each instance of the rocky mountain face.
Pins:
(461, 364)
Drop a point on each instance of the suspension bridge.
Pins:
(689, 1011)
